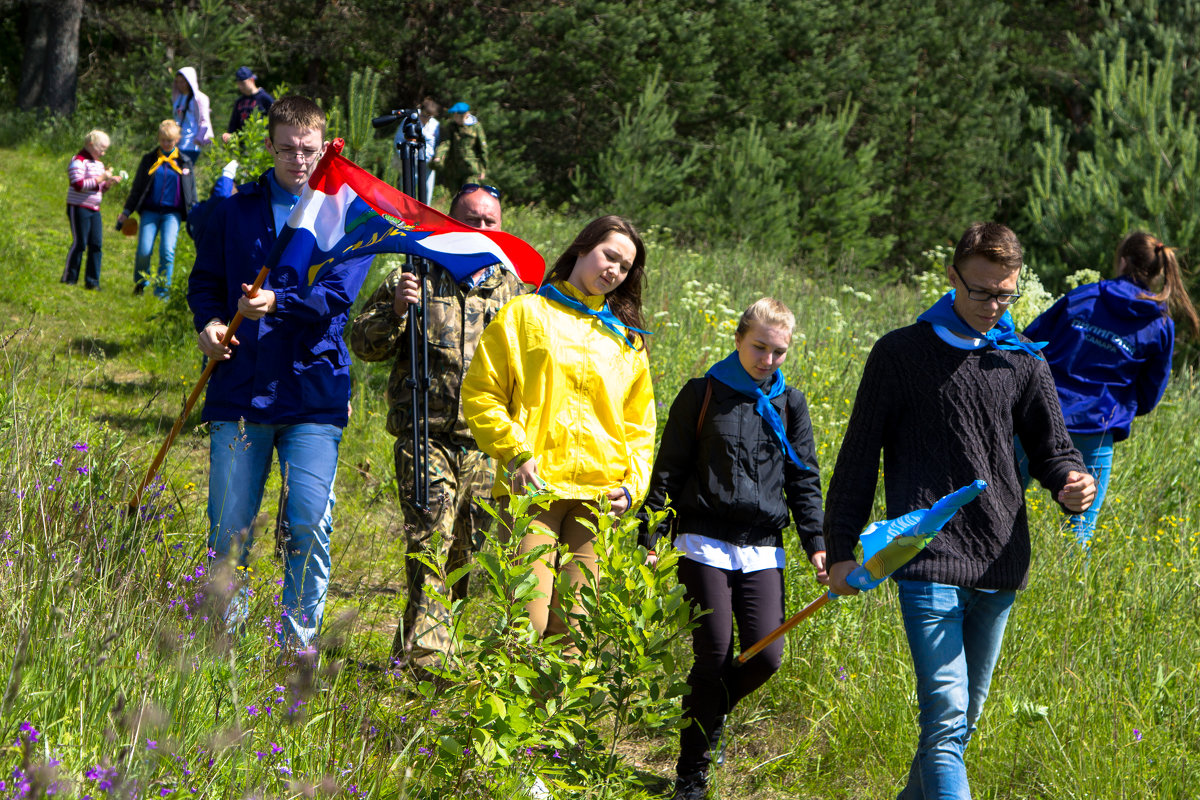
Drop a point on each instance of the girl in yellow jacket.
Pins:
(559, 393)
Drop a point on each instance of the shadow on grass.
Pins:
(654, 783)
(146, 387)
(345, 591)
(94, 346)
(147, 425)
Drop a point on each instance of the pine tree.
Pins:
(1141, 171)
(645, 167)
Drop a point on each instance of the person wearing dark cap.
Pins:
(252, 99)
(461, 155)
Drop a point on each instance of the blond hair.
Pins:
(96, 136)
(768, 312)
(169, 129)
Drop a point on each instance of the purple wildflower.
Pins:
(31, 733)
(80, 446)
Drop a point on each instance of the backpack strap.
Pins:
(704, 405)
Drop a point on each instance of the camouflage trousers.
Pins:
(447, 532)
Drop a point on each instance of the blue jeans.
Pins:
(238, 466)
(1097, 452)
(151, 224)
(954, 635)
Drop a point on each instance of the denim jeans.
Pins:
(239, 462)
(954, 635)
(151, 224)
(1097, 452)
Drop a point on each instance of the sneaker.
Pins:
(716, 743)
(539, 790)
(691, 787)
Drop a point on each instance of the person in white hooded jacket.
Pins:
(190, 108)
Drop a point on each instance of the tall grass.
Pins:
(109, 650)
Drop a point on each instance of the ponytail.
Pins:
(1149, 262)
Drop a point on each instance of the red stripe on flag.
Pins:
(334, 171)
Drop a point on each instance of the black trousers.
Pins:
(755, 600)
(86, 233)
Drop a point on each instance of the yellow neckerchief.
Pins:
(168, 159)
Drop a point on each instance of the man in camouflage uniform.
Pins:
(458, 471)
(461, 155)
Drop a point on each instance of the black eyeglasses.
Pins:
(980, 296)
(467, 188)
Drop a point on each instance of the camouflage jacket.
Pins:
(457, 317)
(462, 154)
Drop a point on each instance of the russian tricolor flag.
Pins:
(346, 212)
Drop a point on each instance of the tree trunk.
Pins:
(49, 68)
(62, 57)
(29, 93)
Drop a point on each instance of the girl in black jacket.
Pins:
(737, 455)
(164, 188)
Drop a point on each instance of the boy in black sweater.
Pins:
(942, 399)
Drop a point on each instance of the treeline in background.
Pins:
(853, 134)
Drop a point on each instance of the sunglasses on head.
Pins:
(467, 188)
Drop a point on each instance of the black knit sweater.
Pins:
(944, 417)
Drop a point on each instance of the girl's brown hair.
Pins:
(626, 300)
(1151, 264)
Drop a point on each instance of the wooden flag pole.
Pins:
(136, 500)
(799, 617)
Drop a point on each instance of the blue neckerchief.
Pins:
(282, 202)
(730, 372)
(1002, 336)
(606, 317)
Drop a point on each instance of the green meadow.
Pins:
(118, 683)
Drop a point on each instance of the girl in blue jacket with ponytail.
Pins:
(1110, 346)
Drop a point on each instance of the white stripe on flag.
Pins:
(323, 215)
(466, 243)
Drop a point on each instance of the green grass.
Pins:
(104, 647)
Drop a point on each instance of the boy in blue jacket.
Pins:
(284, 384)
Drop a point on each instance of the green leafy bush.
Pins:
(506, 701)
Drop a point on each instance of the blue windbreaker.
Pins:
(1110, 352)
(292, 366)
